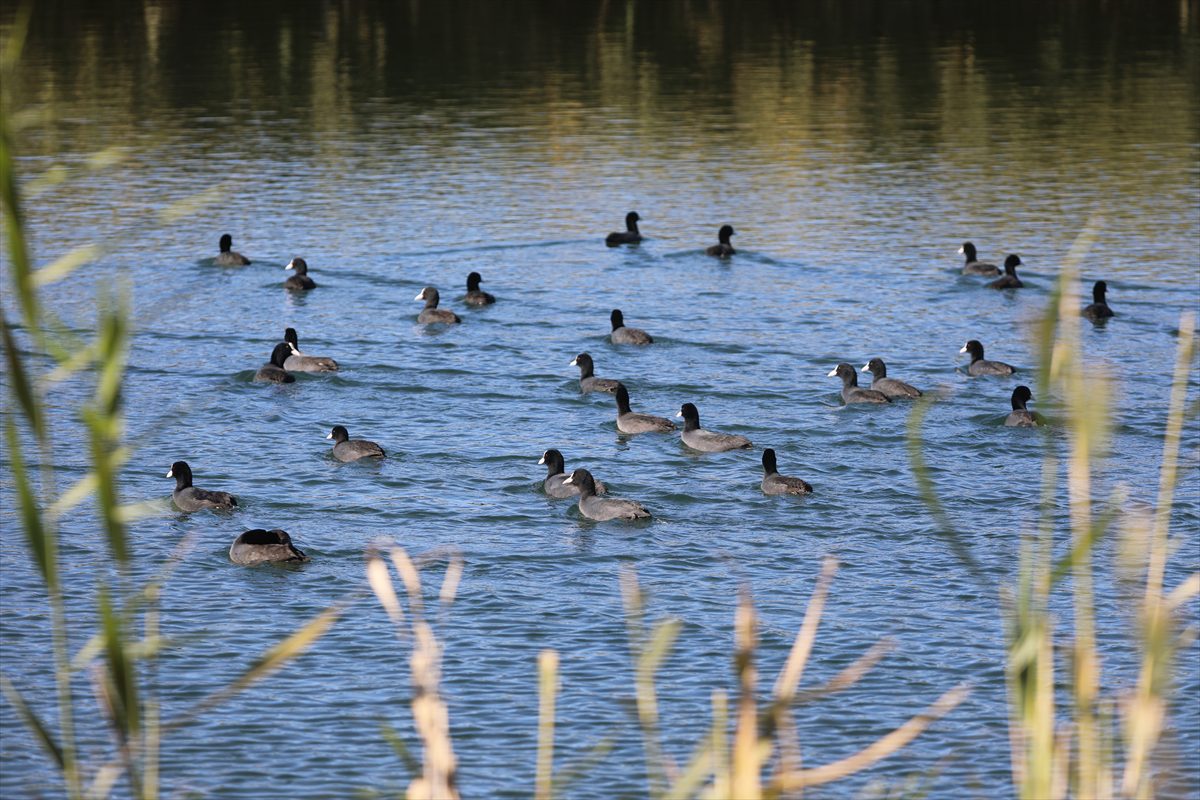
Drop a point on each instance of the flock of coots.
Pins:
(259, 546)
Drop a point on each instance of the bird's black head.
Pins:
(280, 354)
(975, 348)
(1020, 396)
(553, 461)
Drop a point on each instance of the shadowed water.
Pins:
(853, 148)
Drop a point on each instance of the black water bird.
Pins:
(981, 366)
(273, 371)
(300, 282)
(302, 362)
(723, 248)
(588, 382)
(1009, 279)
(228, 257)
(630, 235)
(1099, 309)
(347, 449)
(630, 422)
(189, 498)
(555, 483)
(602, 508)
(259, 546)
(622, 335)
(1020, 416)
(774, 483)
(891, 387)
(698, 438)
(851, 391)
(972, 265)
(476, 296)
(431, 313)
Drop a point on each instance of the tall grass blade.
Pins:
(32, 721)
(19, 380)
(745, 778)
(122, 682)
(928, 492)
(40, 538)
(547, 691)
(793, 669)
(881, 748)
(266, 664)
(392, 737)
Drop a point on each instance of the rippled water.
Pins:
(853, 153)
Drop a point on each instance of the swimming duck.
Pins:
(622, 335)
(188, 498)
(1009, 279)
(880, 382)
(588, 382)
(980, 366)
(475, 296)
(431, 313)
(629, 422)
(722, 249)
(555, 483)
(1099, 309)
(774, 483)
(259, 547)
(697, 438)
(851, 391)
(300, 282)
(228, 257)
(628, 236)
(347, 449)
(602, 508)
(301, 362)
(273, 371)
(1020, 416)
(972, 266)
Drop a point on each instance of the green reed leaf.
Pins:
(122, 680)
(40, 538)
(32, 721)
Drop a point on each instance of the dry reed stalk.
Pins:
(431, 718)
(547, 691)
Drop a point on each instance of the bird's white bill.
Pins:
(329, 435)
(171, 472)
(679, 413)
(291, 264)
(574, 362)
(542, 460)
(964, 349)
(831, 373)
(567, 480)
(421, 296)
(961, 251)
(865, 368)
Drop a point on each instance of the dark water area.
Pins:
(853, 146)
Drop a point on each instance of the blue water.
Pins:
(852, 169)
